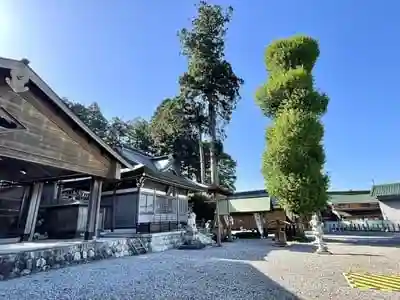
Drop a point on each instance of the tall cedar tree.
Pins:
(294, 158)
(174, 130)
(209, 86)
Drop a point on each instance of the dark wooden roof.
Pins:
(160, 169)
(164, 169)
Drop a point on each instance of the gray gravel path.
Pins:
(245, 269)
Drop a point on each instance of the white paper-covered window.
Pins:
(161, 204)
(183, 206)
(146, 203)
(175, 205)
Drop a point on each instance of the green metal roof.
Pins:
(256, 201)
(344, 197)
(390, 189)
(245, 205)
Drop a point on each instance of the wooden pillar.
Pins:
(219, 244)
(113, 205)
(60, 188)
(177, 210)
(229, 226)
(139, 185)
(33, 209)
(23, 209)
(93, 209)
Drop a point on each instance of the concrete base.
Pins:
(195, 245)
(280, 244)
(26, 258)
(6, 241)
(323, 250)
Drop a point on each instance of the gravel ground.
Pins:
(245, 269)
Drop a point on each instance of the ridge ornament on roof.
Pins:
(19, 77)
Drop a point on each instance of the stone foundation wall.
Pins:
(27, 262)
(158, 242)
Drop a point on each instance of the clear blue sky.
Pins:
(125, 55)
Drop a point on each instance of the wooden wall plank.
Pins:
(48, 139)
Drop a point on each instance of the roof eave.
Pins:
(181, 185)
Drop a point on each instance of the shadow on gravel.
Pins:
(309, 248)
(304, 248)
(249, 283)
(358, 254)
(386, 241)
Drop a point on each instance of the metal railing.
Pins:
(71, 195)
(4, 184)
(366, 226)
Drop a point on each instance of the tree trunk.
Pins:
(300, 232)
(201, 153)
(213, 162)
(213, 135)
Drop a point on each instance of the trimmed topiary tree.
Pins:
(294, 157)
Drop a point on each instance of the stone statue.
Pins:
(231, 221)
(192, 222)
(192, 239)
(19, 78)
(207, 226)
(318, 231)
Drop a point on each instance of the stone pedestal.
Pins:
(322, 249)
(190, 237)
(280, 239)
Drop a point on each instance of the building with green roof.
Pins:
(345, 204)
(388, 196)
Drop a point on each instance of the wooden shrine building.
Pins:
(150, 197)
(243, 206)
(42, 142)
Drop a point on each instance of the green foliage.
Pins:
(116, 132)
(291, 53)
(209, 88)
(294, 159)
(91, 116)
(139, 136)
(168, 119)
(227, 171)
(290, 83)
(173, 133)
(210, 77)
